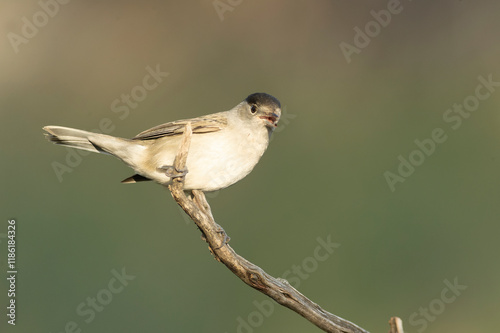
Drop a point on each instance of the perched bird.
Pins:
(225, 146)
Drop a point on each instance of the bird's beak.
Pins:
(272, 118)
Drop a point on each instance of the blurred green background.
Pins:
(344, 125)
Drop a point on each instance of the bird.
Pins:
(225, 146)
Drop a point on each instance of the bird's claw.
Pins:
(171, 172)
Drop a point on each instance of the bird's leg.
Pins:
(172, 172)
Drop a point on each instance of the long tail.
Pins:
(72, 138)
(130, 151)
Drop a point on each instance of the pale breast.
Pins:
(215, 160)
(218, 160)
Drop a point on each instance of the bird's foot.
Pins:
(171, 172)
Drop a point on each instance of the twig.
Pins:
(396, 325)
(197, 207)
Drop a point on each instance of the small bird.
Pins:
(225, 146)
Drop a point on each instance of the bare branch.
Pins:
(197, 207)
(396, 325)
(181, 157)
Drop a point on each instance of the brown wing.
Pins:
(205, 124)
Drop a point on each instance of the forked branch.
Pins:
(197, 207)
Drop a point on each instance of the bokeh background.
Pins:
(344, 125)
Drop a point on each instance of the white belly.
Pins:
(214, 161)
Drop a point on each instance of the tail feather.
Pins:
(135, 179)
(71, 137)
(129, 151)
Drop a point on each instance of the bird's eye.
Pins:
(253, 109)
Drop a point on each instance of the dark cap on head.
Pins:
(263, 99)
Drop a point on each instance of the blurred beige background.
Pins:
(346, 124)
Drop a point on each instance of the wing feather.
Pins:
(205, 124)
